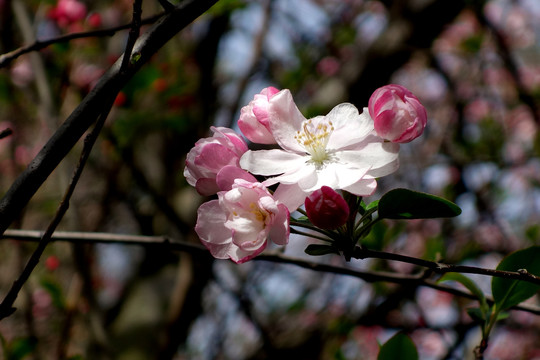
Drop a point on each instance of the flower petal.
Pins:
(225, 177)
(247, 233)
(380, 157)
(212, 231)
(240, 256)
(350, 126)
(291, 195)
(206, 186)
(305, 174)
(271, 162)
(285, 119)
(364, 187)
(279, 232)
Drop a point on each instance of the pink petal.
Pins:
(206, 186)
(240, 256)
(225, 177)
(252, 128)
(211, 227)
(279, 232)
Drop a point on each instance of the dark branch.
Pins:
(442, 268)
(67, 135)
(5, 133)
(134, 32)
(199, 250)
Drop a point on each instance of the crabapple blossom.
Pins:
(339, 150)
(239, 224)
(398, 114)
(213, 155)
(254, 121)
(326, 208)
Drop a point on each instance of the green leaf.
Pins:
(510, 292)
(503, 315)
(318, 250)
(471, 286)
(408, 204)
(399, 347)
(372, 205)
(476, 314)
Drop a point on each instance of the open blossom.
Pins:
(254, 121)
(339, 150)
(239, 224)
(213, 163)
(398, 114)
(326, 209)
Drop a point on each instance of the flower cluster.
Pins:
(312, 162)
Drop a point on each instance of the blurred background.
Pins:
(474, 64)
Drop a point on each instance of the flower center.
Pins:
(314, 137)
(260, 215)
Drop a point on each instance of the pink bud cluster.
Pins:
(342, 151)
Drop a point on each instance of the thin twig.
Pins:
(7, 58)
(196, 249)
(6, 307)
(133, 35)
(442, 268)
(5, 133)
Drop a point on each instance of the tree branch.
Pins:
(442, 268)
(199, 250)
(67, 135)
(6, 307)
(7, 58)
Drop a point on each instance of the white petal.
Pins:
(248, 233)
(351, 131)
(362, 188)
(342, 113)
(303, 173)
(285, 119)
(290, 195)
(374, 155)
(270, 162)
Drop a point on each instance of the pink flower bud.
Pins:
(211, 155)
(254, 122)
(326, 208)
(398, 115)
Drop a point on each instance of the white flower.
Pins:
(340, 150)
